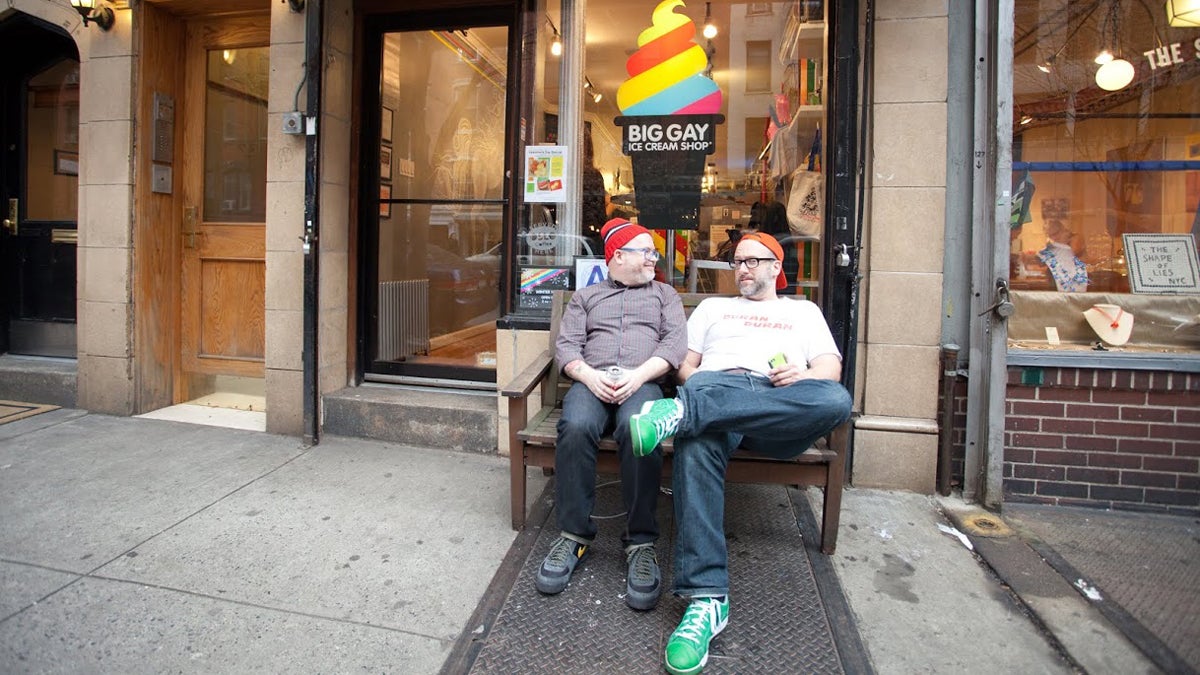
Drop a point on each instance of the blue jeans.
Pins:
(721, 411)
(585, 419)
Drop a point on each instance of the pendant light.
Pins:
(1183, 13)
(1115, 73)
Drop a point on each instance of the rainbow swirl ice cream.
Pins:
(665, 73)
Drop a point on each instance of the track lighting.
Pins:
(587, 86)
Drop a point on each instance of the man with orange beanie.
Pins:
(761, 372)
(617, 338)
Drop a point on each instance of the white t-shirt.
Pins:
(740, 333)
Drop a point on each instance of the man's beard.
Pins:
(758, 287)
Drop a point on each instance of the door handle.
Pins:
(189, 227)
(10, 223)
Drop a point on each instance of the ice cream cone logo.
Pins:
(666, 72)
(670, 111)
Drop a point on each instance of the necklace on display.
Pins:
(1115, 320)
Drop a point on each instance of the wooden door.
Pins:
(223, 160)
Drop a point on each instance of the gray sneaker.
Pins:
(560, 562)
(643, 581)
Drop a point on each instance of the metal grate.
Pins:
(777, 620)
(403, 318)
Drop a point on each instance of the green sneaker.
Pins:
(657, 421)
(687, 649)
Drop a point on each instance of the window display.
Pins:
(1106, 146)
(703, 120)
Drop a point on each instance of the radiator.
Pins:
(403, 318)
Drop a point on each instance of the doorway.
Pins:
(436, 194)
(223, 172)
(39, 188)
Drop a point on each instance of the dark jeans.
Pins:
(721, 411)
(584, 420)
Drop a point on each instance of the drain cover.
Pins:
(986, 525)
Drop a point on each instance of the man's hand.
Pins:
(632, 380)
(824, 367)
(597, 382)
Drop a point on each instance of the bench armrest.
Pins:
(528, 379)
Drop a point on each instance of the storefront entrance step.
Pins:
(429, 418)
(38, 379)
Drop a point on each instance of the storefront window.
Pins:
(698, 133)
(1106, 177)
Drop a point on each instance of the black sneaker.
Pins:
(643, 581)
(560, 562)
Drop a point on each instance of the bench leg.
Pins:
(835, 476)
(516, 462)
(516, 489)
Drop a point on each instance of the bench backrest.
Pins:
(557, 384)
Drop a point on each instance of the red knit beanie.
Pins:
(618, 232)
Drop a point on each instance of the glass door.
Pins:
(437, 220)
(39, 190)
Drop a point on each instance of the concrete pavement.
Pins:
(134, 545)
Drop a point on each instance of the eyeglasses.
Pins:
(750, 263)
(649, 253)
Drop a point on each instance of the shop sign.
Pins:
(1162, 263)
(670, 110)
(1166, 56)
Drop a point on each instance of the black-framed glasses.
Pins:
(750, 263)
(649, 253)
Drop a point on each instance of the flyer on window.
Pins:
(545, 167)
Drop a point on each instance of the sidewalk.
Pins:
(134, 545)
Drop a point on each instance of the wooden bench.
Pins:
(532, 444)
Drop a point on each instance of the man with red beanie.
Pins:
(762, 372)
(616, 340)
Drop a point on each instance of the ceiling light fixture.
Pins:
(710, 28)
(1115, 73)
(102, 16)
(1183, 13)
(297, 6)
(1026, 119)
(591, 90)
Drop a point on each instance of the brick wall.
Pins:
(1118, 439)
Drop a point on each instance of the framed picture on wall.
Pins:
(385, 207)
(66, 163)
(385, 125)
(385, 163)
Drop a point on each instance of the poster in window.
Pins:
(545, 173)
(1162, 263)
(539, 283)
(1135, 201)
(385, 207)
(385, 125)
(385, 163)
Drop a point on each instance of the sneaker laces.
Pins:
(669, 421)
(643, 561)
(695, 621)
(561, 552)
